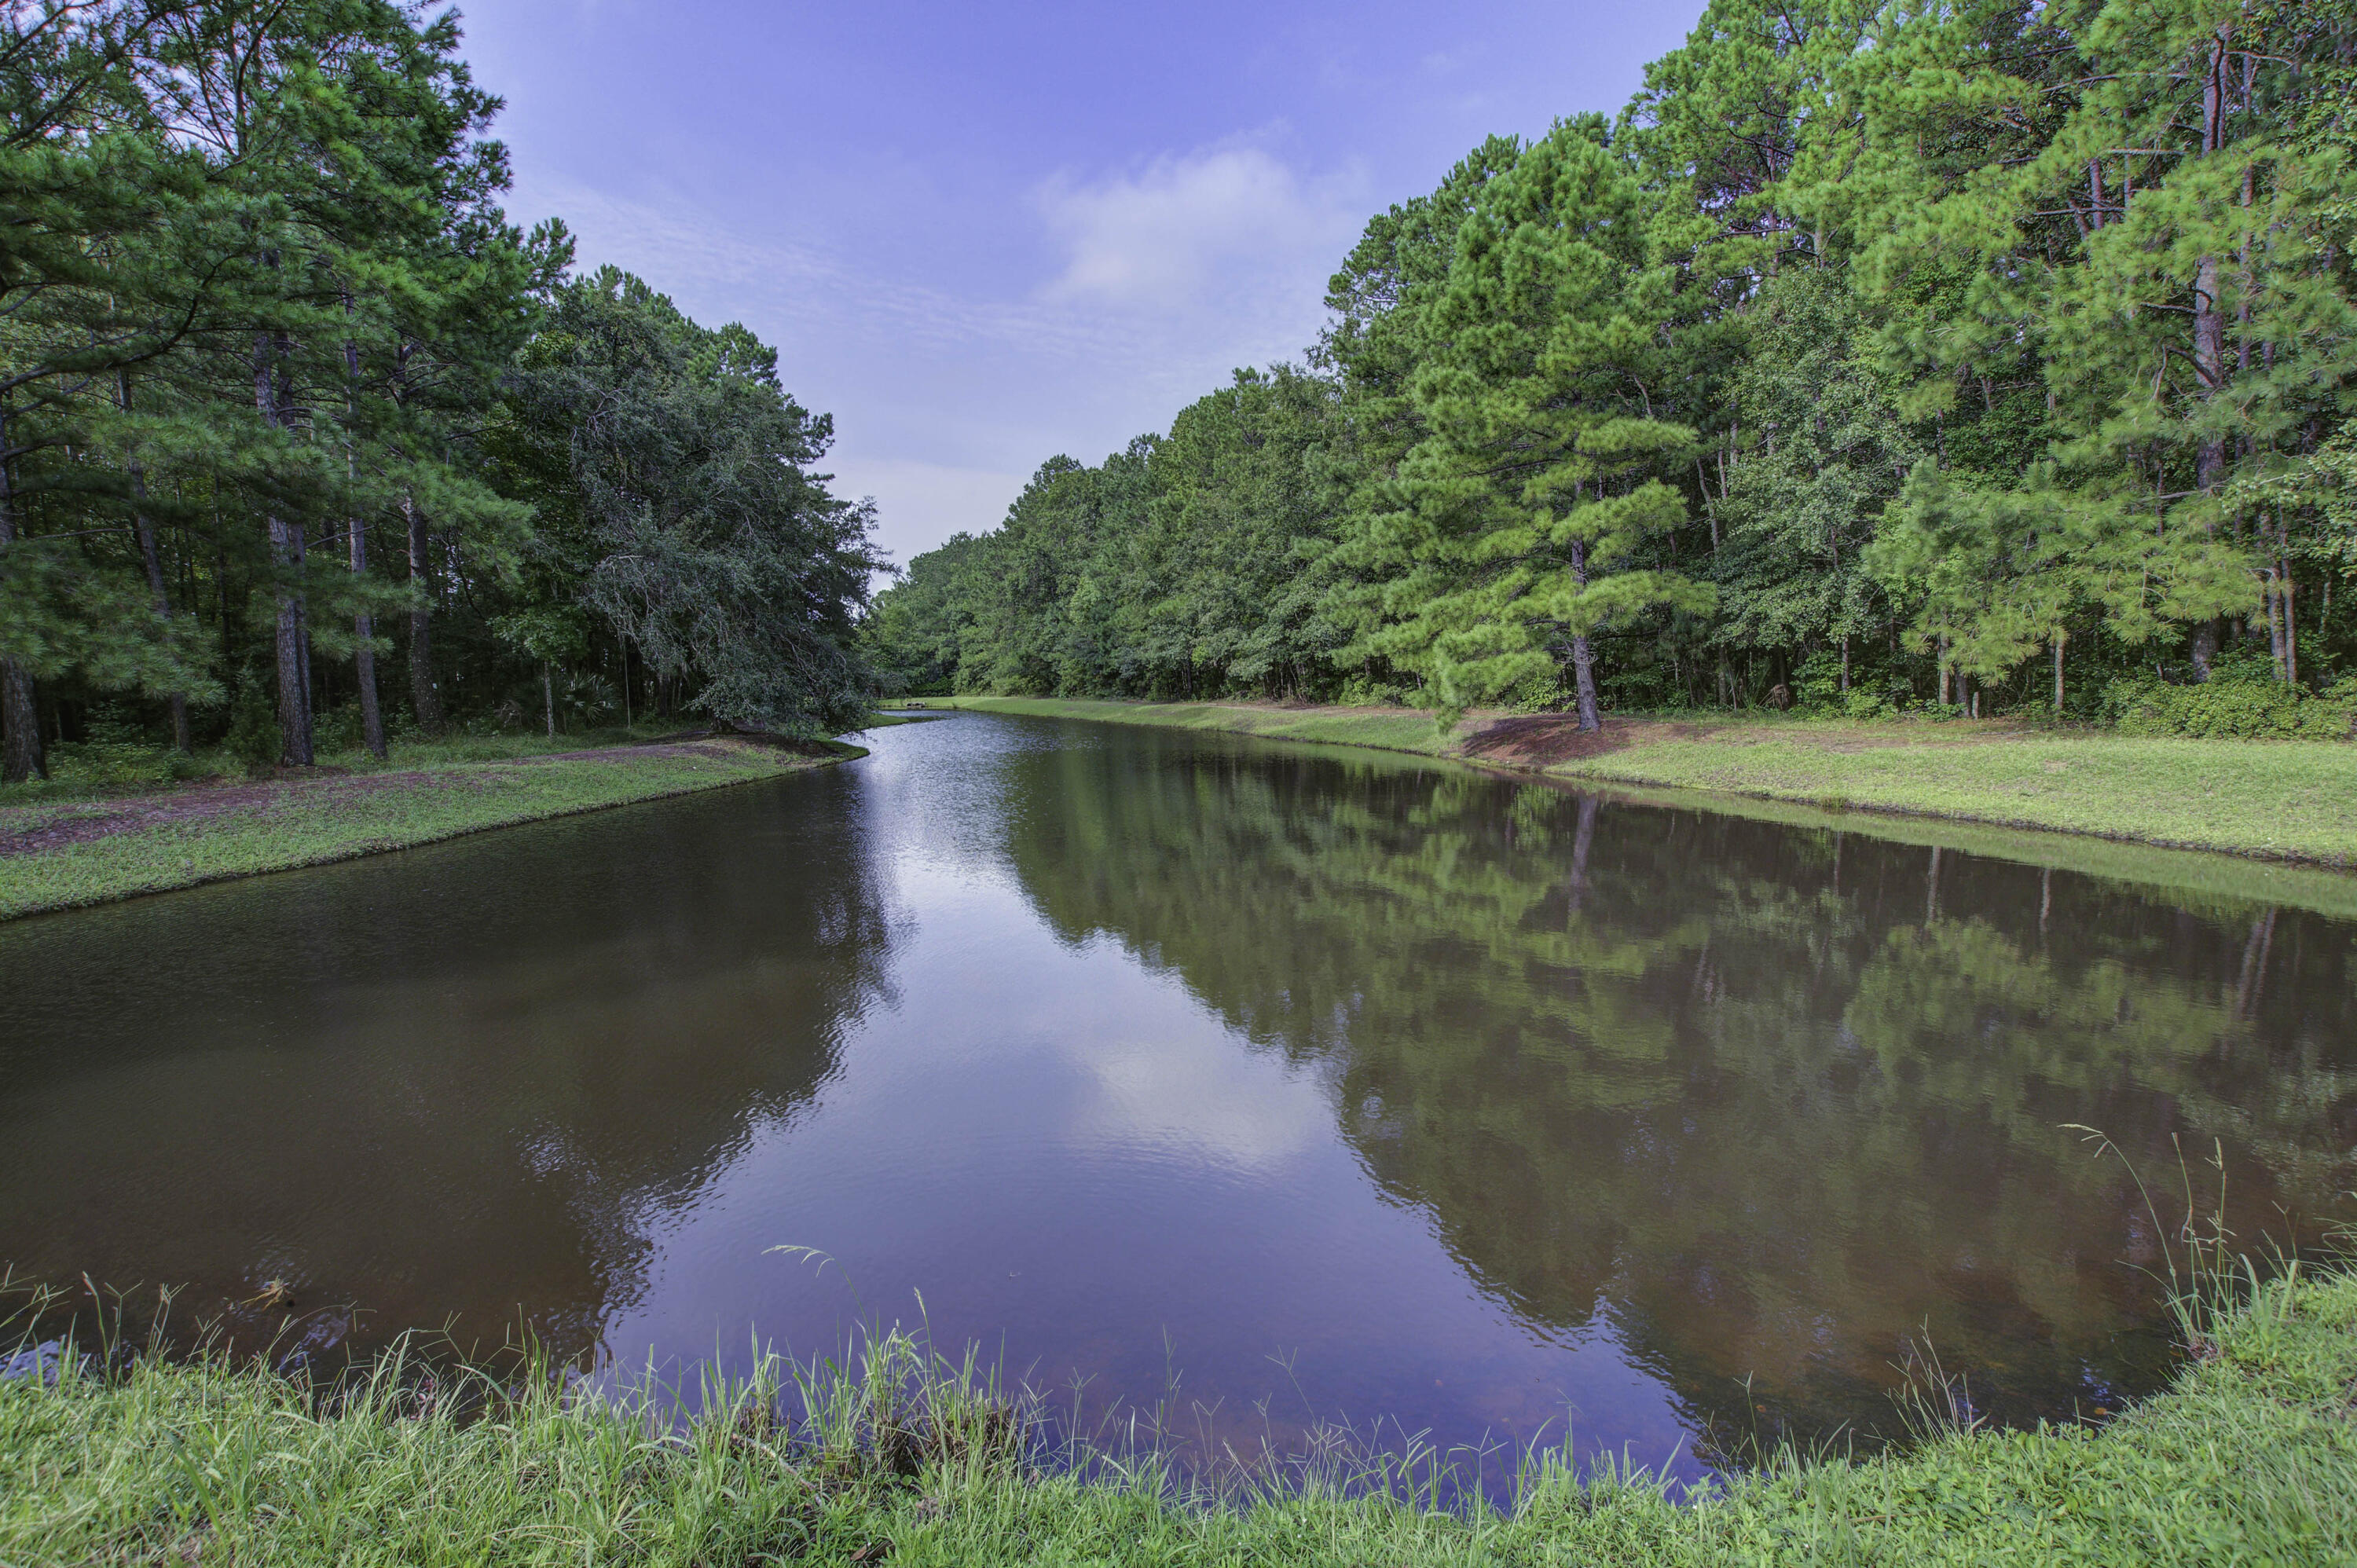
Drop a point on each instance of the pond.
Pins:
(1264, 1086)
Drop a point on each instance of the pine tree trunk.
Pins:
(548, 698)
(2290, 624)
(2058, 672)
(287, 553)
(20, 718)
(425, 698)
(21, 757)
(1582, 658)
(356, 534)
(364, 656)
(2210, 332)
(293, 676)
(1583, 671)
(2275, 606)
(152, 557)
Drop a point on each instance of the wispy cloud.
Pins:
(1184, 229)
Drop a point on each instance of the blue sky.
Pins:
(980, 236)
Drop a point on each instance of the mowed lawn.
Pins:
(2295, 800)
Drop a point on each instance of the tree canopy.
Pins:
(1880, 353)
(276, 371)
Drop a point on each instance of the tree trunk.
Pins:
(1582, 658)
(356, 534)
(20, 717)
(2059, 639)
(2210, 331)
(153, 558)
(364, 655)
(293, 677)
(425, 698)
(21, 757)
(287, 553)
(2290, 623)
(1844, 678)
(548, 698)
(2273, 604)
(1582, 673)
(624, 643)
(2204, 648)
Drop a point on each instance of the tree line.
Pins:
(1977, 357)
(293, 420)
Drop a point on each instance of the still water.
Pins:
(1268, 1085)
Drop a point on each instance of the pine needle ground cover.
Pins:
(2251, 1457)
(59, 856)
(2283, 799)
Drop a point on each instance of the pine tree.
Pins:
(1516, 527)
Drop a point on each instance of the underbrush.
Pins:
(2224, 709)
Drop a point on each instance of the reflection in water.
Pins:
(450, 1086)
(1270, 1084)
(1772, 1102)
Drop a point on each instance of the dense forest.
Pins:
(1978, 358)
(303, 443)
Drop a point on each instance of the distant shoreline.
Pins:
(78, 853)
(2287, 808)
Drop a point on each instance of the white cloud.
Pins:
(1171, 234)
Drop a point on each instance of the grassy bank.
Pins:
(2289, 800)
(2252, 1458)
(58, 853)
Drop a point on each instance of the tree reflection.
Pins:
(456, 1087)
(1772, 1103)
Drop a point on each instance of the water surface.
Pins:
(1266, 1085)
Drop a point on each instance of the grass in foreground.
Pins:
(55, 855)
(2252, 1458)
(2285, 799)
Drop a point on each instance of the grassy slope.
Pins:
(2251, 1459)
(2290, 799)
(172, 841)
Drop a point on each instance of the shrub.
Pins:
(254, 736)
(1865, 703)
(1816, 684)
(2229, 708)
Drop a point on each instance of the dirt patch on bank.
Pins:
(1542, 740)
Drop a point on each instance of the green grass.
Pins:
(2287, 801)
(2251, 1457)
(148, 842)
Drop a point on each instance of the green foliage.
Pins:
(253, 738)
(1951, 339)
(2224, 709)
(268, 333)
